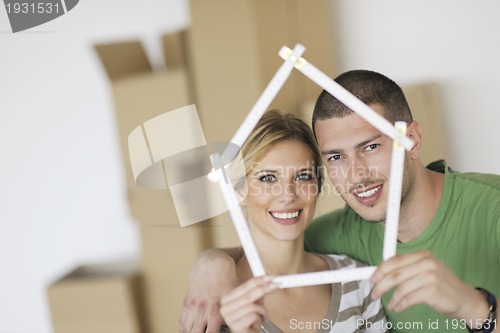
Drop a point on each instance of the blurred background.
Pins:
(66, 196)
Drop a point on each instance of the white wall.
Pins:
(62, 195)
(453, 43)
(62, 192)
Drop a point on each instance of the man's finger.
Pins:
(410, 291)
(215, 324)
(198, 316)
(399, 277)
(186, 321)
(398, 262)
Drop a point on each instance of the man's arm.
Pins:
(212, 276)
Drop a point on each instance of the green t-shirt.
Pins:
(464, 234)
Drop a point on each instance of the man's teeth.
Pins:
(368, 193)
(285, 215)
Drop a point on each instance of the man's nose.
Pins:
(358, 170)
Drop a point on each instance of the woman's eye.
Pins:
(305, 176)
(267, 178)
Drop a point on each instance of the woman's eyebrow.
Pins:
(265, 171)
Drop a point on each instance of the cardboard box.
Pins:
(139, 95)
(426, 108)
(222, 65)
(168, 253)
(99, 299)
(233, 54)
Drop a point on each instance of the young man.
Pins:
(449, 231)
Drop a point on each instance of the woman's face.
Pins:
(282, 191)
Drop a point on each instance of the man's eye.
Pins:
(334, 158)
(304, 176)
(372, 147)
(267, 178)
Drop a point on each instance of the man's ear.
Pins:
(414, 132)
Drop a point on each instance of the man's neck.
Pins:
(421, 205)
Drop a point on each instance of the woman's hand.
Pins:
(243, 309)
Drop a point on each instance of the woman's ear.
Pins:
(241, 197)
(414, 132)
(241, 191)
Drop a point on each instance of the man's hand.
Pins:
(212, 276)
(242, 309)
(420, 278)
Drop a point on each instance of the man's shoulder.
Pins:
(345, 214)
(338, 222)
(473, 185)
(344, 232)
(480, 180)
(467, 182)
(476, 192)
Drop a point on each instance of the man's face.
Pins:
(357, 157)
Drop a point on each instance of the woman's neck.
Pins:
(278, 257)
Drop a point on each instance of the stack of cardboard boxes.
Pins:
(99, 299)
(222, 64)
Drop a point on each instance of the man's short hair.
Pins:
(371, 88)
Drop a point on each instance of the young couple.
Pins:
(445, 276)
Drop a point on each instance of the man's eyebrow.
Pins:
(365, 142)
(335, 151)
(332, 151)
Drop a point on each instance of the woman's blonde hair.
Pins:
(275, 127)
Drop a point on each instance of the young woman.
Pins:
(283, 179)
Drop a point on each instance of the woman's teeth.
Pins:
(285, 215)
